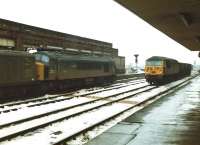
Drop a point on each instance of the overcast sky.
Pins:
(103, 20)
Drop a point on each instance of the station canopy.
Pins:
(179, 19)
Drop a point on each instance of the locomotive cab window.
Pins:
(42, 58)
(38, 57)
(154, 63)
(45, 59)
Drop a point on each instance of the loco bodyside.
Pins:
(61, 66)
(67, 71)
(74, 69)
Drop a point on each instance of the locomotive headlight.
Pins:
(161, 70)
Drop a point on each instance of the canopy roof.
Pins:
(179, 19)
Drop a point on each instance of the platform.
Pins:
(173, 120)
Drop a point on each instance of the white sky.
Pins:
(103, 20)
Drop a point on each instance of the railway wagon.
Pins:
(185, 69)
(161, 69)
(59, 70)
(17, 73)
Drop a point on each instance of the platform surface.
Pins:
(172, 120)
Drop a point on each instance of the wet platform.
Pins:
(172, 120)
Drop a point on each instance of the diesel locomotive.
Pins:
(24, 74)
(161, 69)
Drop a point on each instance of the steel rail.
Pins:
(3, 137)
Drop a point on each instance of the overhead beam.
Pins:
(197, 38)
(186, 19)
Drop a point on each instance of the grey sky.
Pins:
(103, 20)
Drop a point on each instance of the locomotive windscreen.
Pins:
(154, 63)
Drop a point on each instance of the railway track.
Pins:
(120, 102)
(124, 80)
(17, 125)
(61, 107)
(8, 107)
(135, 107)
(15, 128)
(116, 83)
